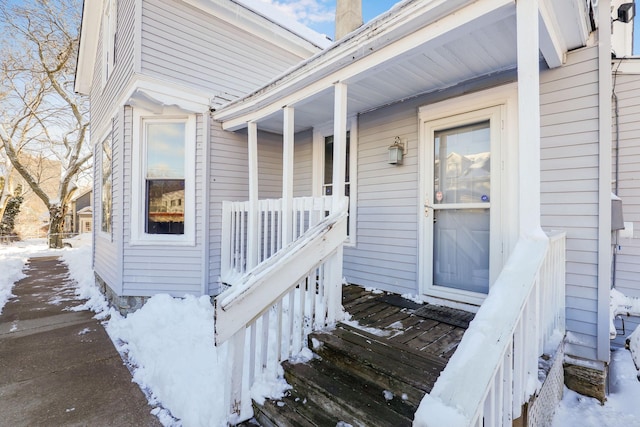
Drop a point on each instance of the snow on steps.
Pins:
(357, 378)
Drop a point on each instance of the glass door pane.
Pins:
(462, 195)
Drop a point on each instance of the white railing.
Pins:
(494, 371)
(266, 314)
(307, 212)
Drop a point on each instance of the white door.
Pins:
(462, 191)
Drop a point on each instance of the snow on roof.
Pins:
(274, 15)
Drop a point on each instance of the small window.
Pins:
(165, 177)
(327, 183)
(106, 189)
(109, 26)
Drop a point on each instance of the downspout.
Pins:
(614, 98)
(206, 217)
(604, 179)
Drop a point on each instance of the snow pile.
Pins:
(12, 260)
(12, 265)
(432, 412)
(620, 304)
(621, 407)
(170, 343)
(79, 262)
(633, 342)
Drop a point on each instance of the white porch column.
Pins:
(252, 220)
(339, 141)
(287, 176)
(529, 118)
(334, 267)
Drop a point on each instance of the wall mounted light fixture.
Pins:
(396, 152)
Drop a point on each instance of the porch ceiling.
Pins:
(413, 56)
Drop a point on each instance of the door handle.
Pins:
(427, 206)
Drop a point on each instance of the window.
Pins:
(109, 26)
(323, 169)
(106, 189)
(327, 185)
(165, 176)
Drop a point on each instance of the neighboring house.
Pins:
(428, 116)
(33, 219)
(79, 217)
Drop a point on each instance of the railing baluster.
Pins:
(274, 337)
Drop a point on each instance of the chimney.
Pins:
(348, 16)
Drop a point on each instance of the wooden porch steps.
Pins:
(356, 378)
(372, 377)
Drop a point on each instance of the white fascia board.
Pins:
(552, 45)
(167, 94)
(376, 43)
(264, 26)
(88, 48)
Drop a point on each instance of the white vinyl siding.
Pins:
(569, 185)
(107, 259)
(198, 50)
(228, 180)
(385, 255)
(627, 89)
(176, 270)
(104, 98)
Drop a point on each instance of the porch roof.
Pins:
(416, 47)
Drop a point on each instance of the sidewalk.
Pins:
(59, 367)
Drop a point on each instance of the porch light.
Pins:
(396, 152)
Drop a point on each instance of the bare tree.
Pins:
(40, 115)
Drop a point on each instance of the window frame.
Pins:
(109, 29)
(139, 236)
(109, 231)
(319, 135)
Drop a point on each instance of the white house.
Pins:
(464, 133)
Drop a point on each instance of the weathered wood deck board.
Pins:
(433, 330)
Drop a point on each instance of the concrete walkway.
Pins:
(59, 367)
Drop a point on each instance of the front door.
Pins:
(461, 187)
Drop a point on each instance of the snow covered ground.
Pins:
(169, 343)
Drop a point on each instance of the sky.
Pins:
(320, 14)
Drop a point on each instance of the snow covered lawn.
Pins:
(169, 344)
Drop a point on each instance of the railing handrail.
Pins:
(257, 290)
(487, 340)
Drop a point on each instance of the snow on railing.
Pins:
(494, 371)
(266, 314)
(307, 212)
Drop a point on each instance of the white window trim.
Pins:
(98, 194)
(138, 188)
(319, 135)
(109, 24)
(107, 235)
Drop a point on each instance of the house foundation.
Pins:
(587, 380)
(123, 304)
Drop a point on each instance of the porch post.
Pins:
(529, 118)
(287, 176)
(334, 267)
(252, 220)
(339, 142)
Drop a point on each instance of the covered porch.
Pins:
(284, 258)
